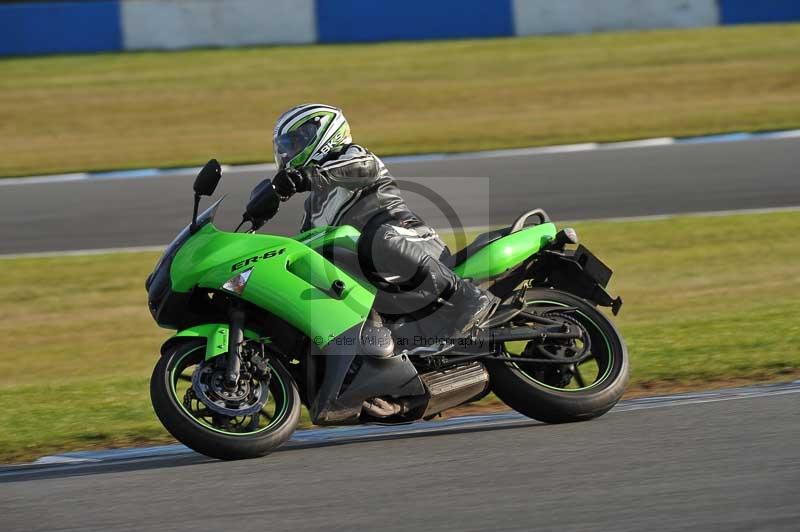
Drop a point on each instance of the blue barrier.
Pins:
(753, 11)
(389, 20)
(51, 27)
(60, 27)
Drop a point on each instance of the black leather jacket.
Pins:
(350, 188)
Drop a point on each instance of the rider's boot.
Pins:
(470, 307)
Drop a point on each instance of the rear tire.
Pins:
(204, 439)
(550, 404)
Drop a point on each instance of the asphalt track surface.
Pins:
(482, 190)
(703, 464)
(727, 465)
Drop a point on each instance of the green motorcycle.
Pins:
(268, 323)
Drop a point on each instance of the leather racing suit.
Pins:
(353, 187)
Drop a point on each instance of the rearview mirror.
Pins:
(208, 178)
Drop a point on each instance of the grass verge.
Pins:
(107, 111)
(708, 301)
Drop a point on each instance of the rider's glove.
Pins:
(263, 204)
(289, 181)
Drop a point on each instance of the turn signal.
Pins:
(237, 283)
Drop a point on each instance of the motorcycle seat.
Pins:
(480, 242)
(484, 239)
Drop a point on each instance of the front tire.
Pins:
(548, 392)
(214, 435)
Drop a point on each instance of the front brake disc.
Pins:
(249, 397)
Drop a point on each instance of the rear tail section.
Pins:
(494, 253)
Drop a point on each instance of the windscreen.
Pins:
(207, 216)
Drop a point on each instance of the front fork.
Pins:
(233, 359)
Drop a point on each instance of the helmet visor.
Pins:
(289, 145)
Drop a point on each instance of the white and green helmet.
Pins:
(308, 133)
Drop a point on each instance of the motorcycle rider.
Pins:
(348, 185)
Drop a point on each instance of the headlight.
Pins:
(237, 283)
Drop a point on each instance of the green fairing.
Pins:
(292, 282)
(506, 253)
(345, 236)
(217, 336)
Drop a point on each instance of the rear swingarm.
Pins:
(494, 338)
(517, 334)
(492, 356)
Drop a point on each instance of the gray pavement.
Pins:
(482, 190)
(728, 465)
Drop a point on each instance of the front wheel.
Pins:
(584, 378)
(193, 405)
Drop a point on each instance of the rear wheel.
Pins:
(584, 378)
(190, 400)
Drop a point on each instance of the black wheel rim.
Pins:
(588, 374)
(271, 416)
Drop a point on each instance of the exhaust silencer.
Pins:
(453, 386)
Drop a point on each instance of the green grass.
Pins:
(707, 300)
(91, 112)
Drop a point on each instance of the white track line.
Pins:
(149, 173)
(80, 252)
(323, 436)
(694, 214)
(646, 218)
